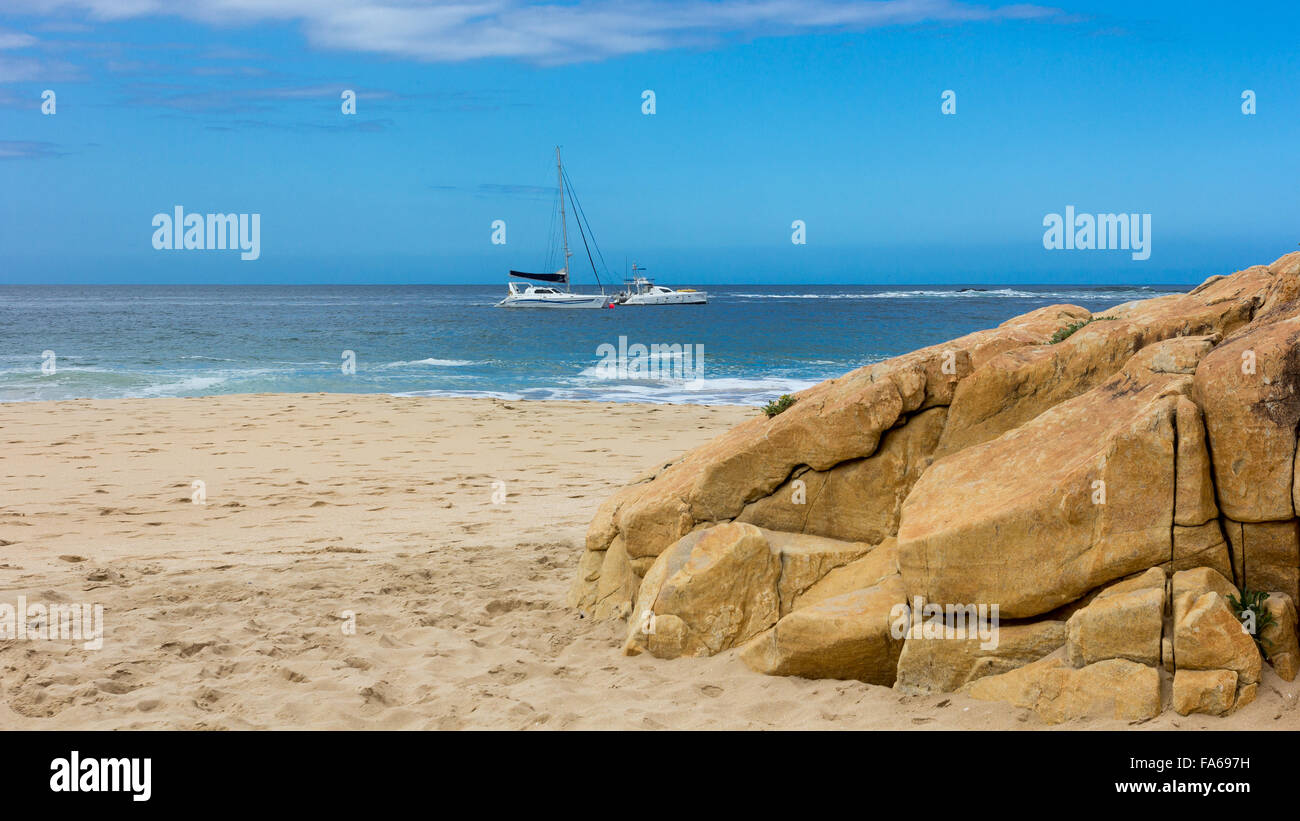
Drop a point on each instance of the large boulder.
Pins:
(1200, 546)
(806, 560)
(1186, 586)
(942, 665)
(830, 423)
(1126, 624)
(1266, 555)
(718, 588)
(1058, 479)
(839, 627)
(606, 583)
(1279, 639)
(859, 574)
(1212, 692)
(837, 421)
(709, 591)
(1022, 383)
(1194, 481)
(1057, 692)
(858, 500)
(1271, 289)
(1249, 390)
(849, 636)
(1207, 636)
(1078, 497)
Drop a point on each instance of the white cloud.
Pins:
(15, 69)
(15, 39)
(546, 32)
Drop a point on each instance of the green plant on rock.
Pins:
(778, 405)
(1252, 614)
(1065, 333)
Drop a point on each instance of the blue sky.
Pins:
(825, 111)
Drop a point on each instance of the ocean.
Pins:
(757, 342)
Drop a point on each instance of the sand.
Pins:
(233, 614)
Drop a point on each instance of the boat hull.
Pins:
(676, 298)
(562, 301)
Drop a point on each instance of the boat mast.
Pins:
(564, 225)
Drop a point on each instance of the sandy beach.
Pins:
(232, 614)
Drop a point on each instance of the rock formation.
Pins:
(1104, 497)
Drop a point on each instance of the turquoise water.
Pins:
(758, 342)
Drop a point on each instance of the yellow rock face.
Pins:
(1196, 583)
(1194, 503)
(868, 571)
(1057, 692)
(1201, 546)
(1125, 625)
(1267, 555)
(942, 665)
(1247, 388)
(718, 588)
(1041, 377)
(1107, 492)
(1205, 691)
(859, 500)
(848, 636)
(1036, 518)
(1280, 643)
(1207, 636)
(831, 424)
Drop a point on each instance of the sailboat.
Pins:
(523, 295)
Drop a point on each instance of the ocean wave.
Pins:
(715, 391)
(184, 386)
(662, 362)
(456, 394)
(441, 363)
(995, 293)
(104, 383)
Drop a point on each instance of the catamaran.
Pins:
(522, 295)
(643, 291)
